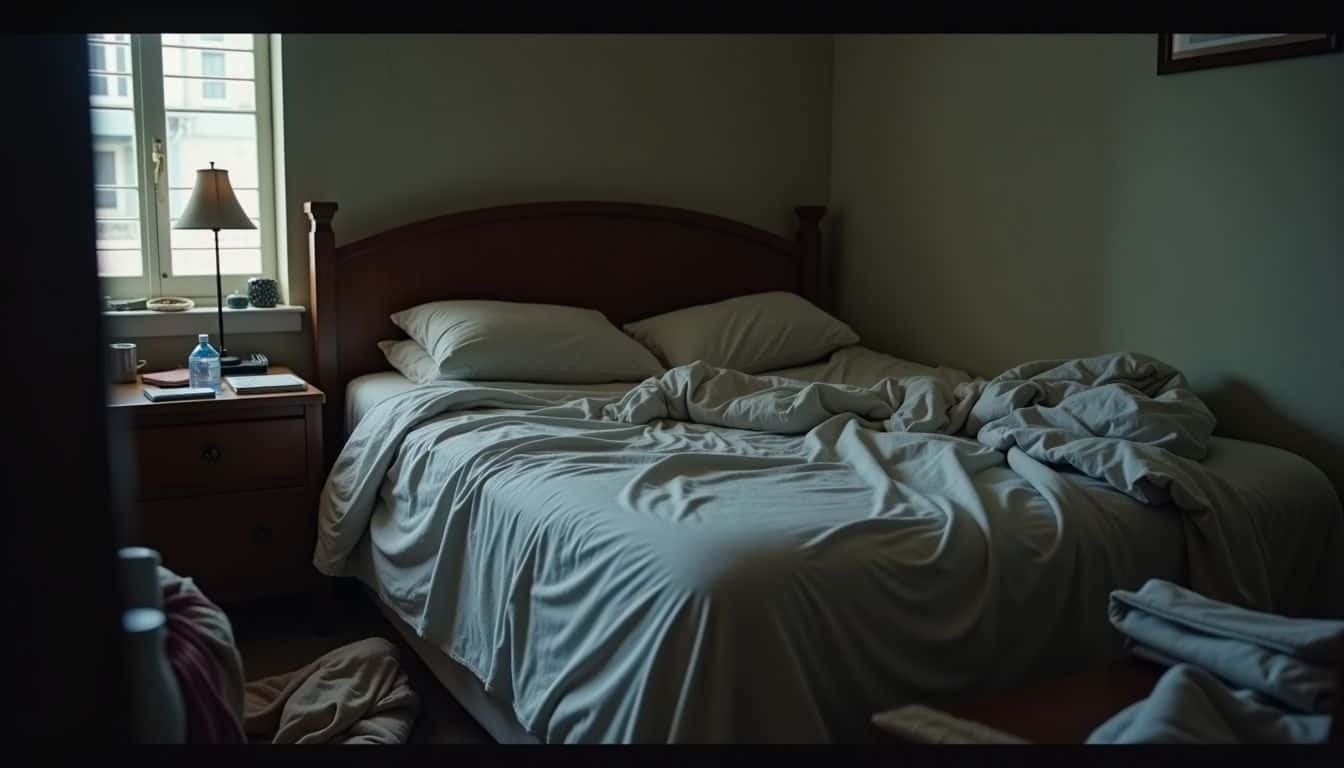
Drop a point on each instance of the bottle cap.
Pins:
(203, 338)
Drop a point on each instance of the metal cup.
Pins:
(121, 363)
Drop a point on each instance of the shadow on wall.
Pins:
(1244, 413)
(832, 245)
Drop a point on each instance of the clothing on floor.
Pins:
(356, 694)
(201, 651)
(1191, 706)
(1237, 676)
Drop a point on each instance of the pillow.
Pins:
(410, 359)
(752, 334)
(509, 341)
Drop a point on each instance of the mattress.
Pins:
(685, 582)
(364, 392)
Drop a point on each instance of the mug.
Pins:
(121, 363)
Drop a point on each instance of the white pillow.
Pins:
(752, 334)
(411, 360)
(510, 341)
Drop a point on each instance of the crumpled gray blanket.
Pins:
(1125, 418)
(1237, 675)
(356, 694)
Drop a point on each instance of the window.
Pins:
(105, 174)
(97, 63)
(212, 65)
(188, 100)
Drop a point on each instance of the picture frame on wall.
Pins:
(1186, 51)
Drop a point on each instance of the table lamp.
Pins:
(213, 206)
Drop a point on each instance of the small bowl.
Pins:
(236, 301)
(170, 304)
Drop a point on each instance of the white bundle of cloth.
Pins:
(1237, 676)
(355, 694)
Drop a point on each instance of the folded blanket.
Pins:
(1293, 661)
(1191, 706)
(356, 694)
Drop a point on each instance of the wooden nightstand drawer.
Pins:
(227, 488)
(221, 457)
(237, 545)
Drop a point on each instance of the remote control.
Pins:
(922, 725)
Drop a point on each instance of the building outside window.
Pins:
(212, 65)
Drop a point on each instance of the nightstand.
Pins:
(226, 489)
(1062, 711)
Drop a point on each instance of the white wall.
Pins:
(1001, 198)
(397, 128)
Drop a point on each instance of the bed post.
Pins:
(815, 274)
(322, 313)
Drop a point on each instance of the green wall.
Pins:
(397, 128)
(1000, 198)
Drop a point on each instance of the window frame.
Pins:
(150, 121)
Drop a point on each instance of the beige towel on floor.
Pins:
(356, 694)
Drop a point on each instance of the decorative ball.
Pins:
(263, 291)
(236, 301)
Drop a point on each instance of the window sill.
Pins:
(143, 323)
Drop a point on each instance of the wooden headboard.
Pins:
(629, 261)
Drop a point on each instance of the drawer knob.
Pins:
(211, 453)
(261, 534)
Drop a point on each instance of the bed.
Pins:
(528, 557)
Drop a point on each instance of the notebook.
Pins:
(271, 382)
(157, 395)
(177, 377)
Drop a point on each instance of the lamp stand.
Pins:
(225, 359)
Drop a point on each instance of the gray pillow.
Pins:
(410, 359)
(752, 334)
(510, 341)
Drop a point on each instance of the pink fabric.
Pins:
(210, 719)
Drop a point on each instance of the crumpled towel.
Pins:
(356, 694)
(1293, 661)
(201, 651)
(1191, 706)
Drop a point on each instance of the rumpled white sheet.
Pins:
(1237, 675)
(355, 694)
(782, 569)
(1127, 419)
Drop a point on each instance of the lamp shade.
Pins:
(213, 204)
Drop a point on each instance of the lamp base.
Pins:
(247, 365)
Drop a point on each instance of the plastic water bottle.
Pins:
(203, 365)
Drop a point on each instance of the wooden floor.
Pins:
(283, 635)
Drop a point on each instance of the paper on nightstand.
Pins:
(921, 725)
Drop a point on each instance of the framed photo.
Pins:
(1184, 51)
